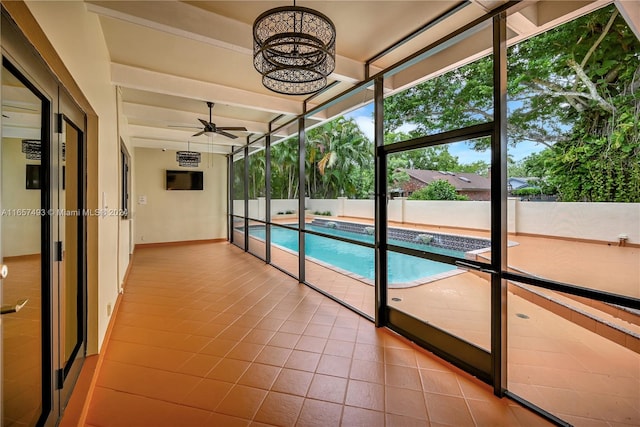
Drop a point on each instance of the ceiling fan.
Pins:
(211, 128)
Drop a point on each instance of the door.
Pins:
(43, 230)
(25, 196)
(439, 279)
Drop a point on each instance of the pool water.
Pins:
(358, 259)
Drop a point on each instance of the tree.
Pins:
(336, 153)
(573, 89)
(440, 189)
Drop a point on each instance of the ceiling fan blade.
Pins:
(232, 128)
(228, 135)
(199, 133)
(205, 123)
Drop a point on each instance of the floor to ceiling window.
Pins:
(506, 210)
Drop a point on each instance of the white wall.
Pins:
(20, 233)
(172, 216)
(603, 222)
(591, 221)
(77, 37)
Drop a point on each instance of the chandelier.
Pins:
(294, 49)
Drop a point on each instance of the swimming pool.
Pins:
(358, 260)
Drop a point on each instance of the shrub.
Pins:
(439, 189)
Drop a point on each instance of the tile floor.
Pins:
(207, 335)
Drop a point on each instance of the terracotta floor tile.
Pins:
(136, 410)
(316, 413)
(369, 352)
(144, 355)
(401, 401)
(400, 356)
(448, 410)
(226, 421)
(293, 382)
(259, 336)
(242, 402)
(280, 409)
(491, 413)
(245, 351)
(284, 339)
(219, 347)
(365, 395)
(440, 382)
(293, 357)
(339, 348)
(394, 420)
(153, 383)
(199, 365)
(358, 417)
(228, 370)
(367, 371)
(312, 344)
(207, 394)
(260, 376)
(276, 356)
(303, 360)
(402, 376)
(316, 330)
(334, 365)
(331, 389)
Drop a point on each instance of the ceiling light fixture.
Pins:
(294, 48)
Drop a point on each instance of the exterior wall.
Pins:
(171, 216)
(603, 222)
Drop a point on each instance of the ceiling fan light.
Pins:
(294, 49)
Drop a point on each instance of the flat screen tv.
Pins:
(184, 180)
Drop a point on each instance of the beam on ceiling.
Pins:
(153, 81)
(165, 117)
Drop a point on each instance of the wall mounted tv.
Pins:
(184, 180)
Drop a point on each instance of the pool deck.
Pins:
(559, 360)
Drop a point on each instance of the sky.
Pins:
(364, 119)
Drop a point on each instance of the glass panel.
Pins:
(285, 188)
(238, 230)
(452, 299)
(575, 176)
(257, 239)
(444, 100)
(238, 185)
(440, 200)
(257, 185)
(284, 248)
(342, 269)
(22, 180)
(70, 312)
(575, 358)
(340, 165)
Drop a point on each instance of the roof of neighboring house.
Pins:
(461, 181)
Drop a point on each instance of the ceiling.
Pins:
(168, 58)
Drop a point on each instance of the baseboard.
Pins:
(179, 243)
(96, 373)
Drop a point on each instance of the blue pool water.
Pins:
(358, 259)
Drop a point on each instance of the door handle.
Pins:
(8, 309)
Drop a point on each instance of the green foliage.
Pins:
(322, 213)
(439, 189)
(574, 89)
(526, 192)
